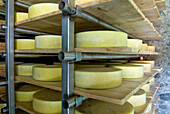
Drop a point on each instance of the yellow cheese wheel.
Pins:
(24, 44)
(25, 93)
(149, 108)
(25, 69)
(92, 106)
(47, 102)
(98, 78)
(152, 81)
(151, 48)
(2, 105)
(130, 71)
(135, 43)
(47, 73)
(145, 47)
(20, 16)
(147, 66)
(151, 62)
(41, 9)
(138, 99)
(146, 87)
(119, 61)
(47, 42)
(101, 39)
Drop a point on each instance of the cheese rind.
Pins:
(47, 102)
(92, 106)
(138, 99)
(151, 48)
(151, 62)
(146, 87)
(145, 47)
(41, 9)
(101, 39)
(20, 16)
(2, 105)
(25, 69)
(89, 65)
(48, 42)
(135, 43)
(98, 78)
(147, 66)
(25, 93)
(24, 44)
(130, 71)
(47, 73)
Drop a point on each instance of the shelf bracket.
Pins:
(71, 56)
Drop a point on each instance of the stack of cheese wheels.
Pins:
(98, 78)
(47, 101)
(145, 47)
(130, 71)
(25, 93)
(41, 9)
(146, 87)
(101, 39)
(135, 43)
(20, 16)
(48, 42)
(92, 106)
(152, 81)
(47, 73)
(138, 99)
(151, 62)
(147, 66)
(24, 44)
(151, 48)
(25, 69)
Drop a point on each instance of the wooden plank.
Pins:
(153, 90)
(157, 21)
(144, 4)
(117, 95)
(151, 13)
(161, 5)
(158, 69)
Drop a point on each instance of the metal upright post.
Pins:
(67, 66)
(9, 39)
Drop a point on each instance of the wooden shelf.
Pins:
(128, 17)
(153, 90)
(161, 4)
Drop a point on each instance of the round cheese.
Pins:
(25, 69)
(25, 93)
(98, 78)
(145, 47)
(2, 105)
(101, 39)
(20, 16)
(47, 73)
(152, 81)
(47, 102)
(41, 9)
(151, 48)
(146, 87)
(151, 62)
(47, 42)
(24, 44)
(92, 106)
(147, 66)
(138, 99)
(135, 43)
(130, 71)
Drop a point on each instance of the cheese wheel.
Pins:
(146, 87)
(119, 61)
(152, 81)
(151, 48)
(89, 65)
(147, 66)
(47, 42)
(98, 78)
(101, 39)
(151, 62)
(47, 73)
(41, 9)
(92, 106)
(145, 47)
(25, 93)
(20, 16)
(47, 102)
(25, 69)
(24, 44)
(130, 71)
(2, 105)
(138, 99)
(135, 43)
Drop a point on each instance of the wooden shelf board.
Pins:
(151, 13)
(145, 79)
(158, 69)
(117, 95)
(157, 21)
(153, 90)
(161, 5)
(109, 11)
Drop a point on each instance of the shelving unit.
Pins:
(101, 15)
